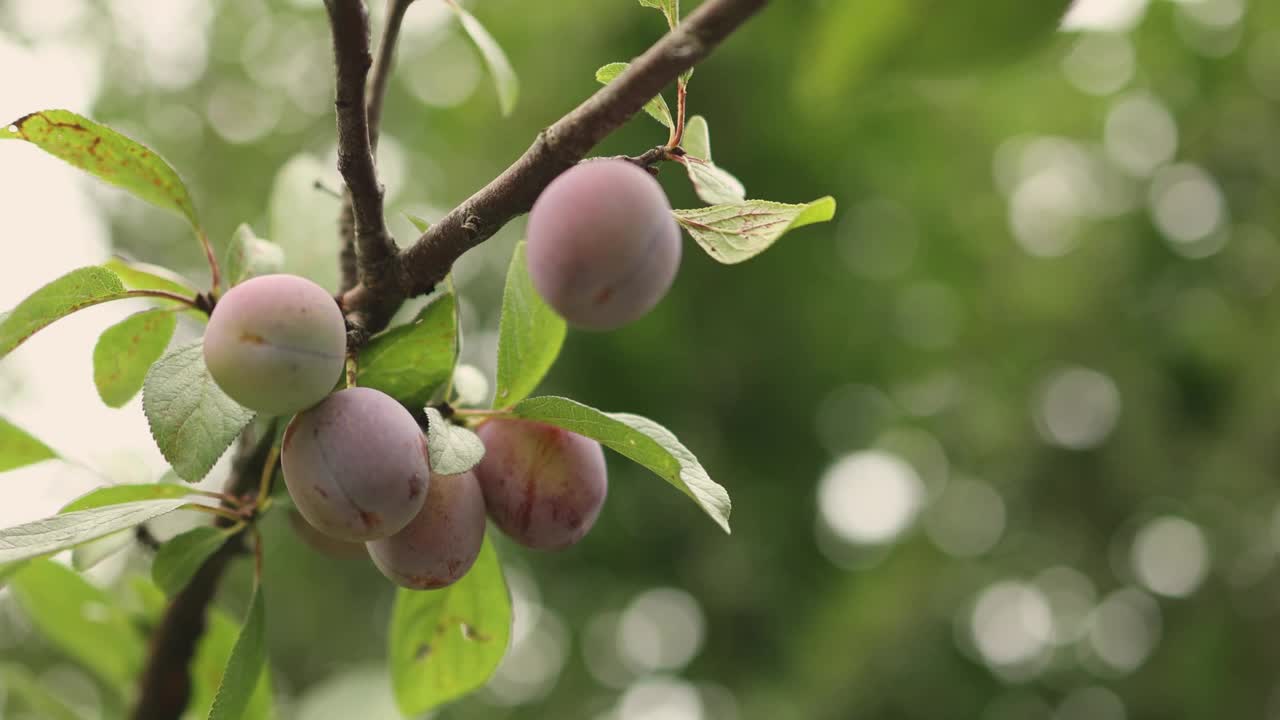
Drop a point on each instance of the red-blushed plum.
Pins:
(442, 542)
(356, 465)
(603, 247)
(276, 344)
(543, 485)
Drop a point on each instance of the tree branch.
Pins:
(556, 149)
(165, 685)
(375, 250)
(347, 260)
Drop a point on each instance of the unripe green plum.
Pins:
(543, 485)
(356, 465)
(276, 344)
(603, 246)
(442, 542)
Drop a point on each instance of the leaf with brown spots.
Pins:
(446, 643)
(734, 232)
(103, 152)
(125, 352)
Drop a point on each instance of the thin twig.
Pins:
(383, 65)
(556, 149)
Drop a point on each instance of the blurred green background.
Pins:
(1001, 439)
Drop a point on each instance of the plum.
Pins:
(603, 245)
(442, 542)
(356, 465)
(276, 344)
(543, 485)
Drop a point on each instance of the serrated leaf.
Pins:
(639, 439)
(78, 289)
(250, 256)
(18, 448)
(453, 449)
(35, 696)
(713, 183)
(736, 232)
(411, 362)
(245, 667)
(142, 276)
(669, 8)
(419, 223)
(504, 76)
(656, 108)
(51, 535)
(210, 663)
(103, 152)
(192, 420)
(446, 643)
(177, 560)
(126, 350)
(82, 620)
(120, 494)
(530, 334)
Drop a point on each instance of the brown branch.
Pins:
(165, 686)
(375, 250)
(347, 260)
(556, 149)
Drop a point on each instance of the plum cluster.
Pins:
(358, 470)
(356, 462)
(603, 250)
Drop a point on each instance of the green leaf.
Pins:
(245, 666)
(656, 108)
(99, 150)
(446, 643)
(18, 448)
(126, 350)
(120, 494)
(712, 183)
(670, 8)
(141, 276)
(191, 418)
(736, 232)
(299, 211)
(411, 362)
(419, 223)
(41, 700)
(250, 256)
(178, 560)
(529, 335)
(210, 664)
(74, 291)
(50, 535)
(639, 439)
(453, 449)
(504, 76)
(697, 138)
(82, 620)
